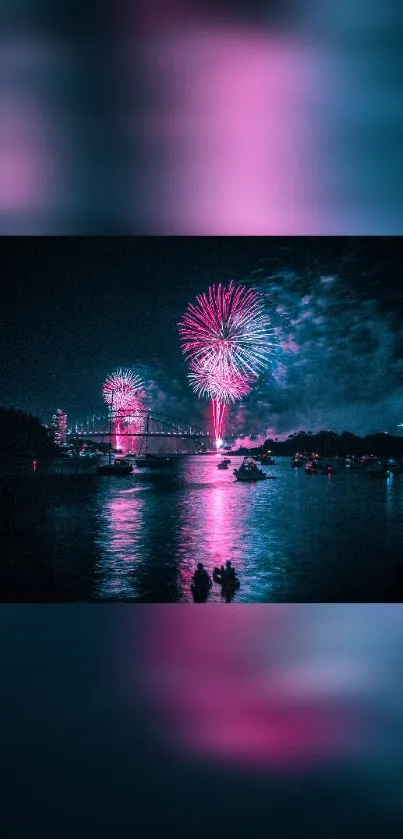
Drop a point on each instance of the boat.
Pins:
(249, 471)
(224, 464)
(120, 466)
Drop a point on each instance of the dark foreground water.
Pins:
(297, 538)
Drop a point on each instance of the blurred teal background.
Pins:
(157, 719)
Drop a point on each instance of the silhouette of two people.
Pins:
(226, 577)
(202, 583)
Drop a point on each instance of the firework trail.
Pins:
(226, 337)
(121, 392)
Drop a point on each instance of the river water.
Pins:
(294, 539)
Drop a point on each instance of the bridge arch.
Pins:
(150, 430)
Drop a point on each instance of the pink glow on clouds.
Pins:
(248, 442)
(289, 345)
(269, 434)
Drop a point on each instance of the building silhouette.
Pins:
(59, 427)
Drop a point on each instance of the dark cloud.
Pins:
(339, 361)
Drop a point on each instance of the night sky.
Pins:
(72, 310)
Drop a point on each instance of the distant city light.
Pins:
(59, 427)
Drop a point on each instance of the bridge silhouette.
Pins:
(146, 424)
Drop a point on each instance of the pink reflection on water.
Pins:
(224, 521)
(210, 528)
(120, 541)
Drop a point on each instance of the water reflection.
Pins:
(122, 542)
(212, 527)
(294, 539)
(389, 499)
(224, 524)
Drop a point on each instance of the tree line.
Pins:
(23, 434)
(330, 443)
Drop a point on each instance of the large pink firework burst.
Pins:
(227, 339)
(122, 393)
(227, 386)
